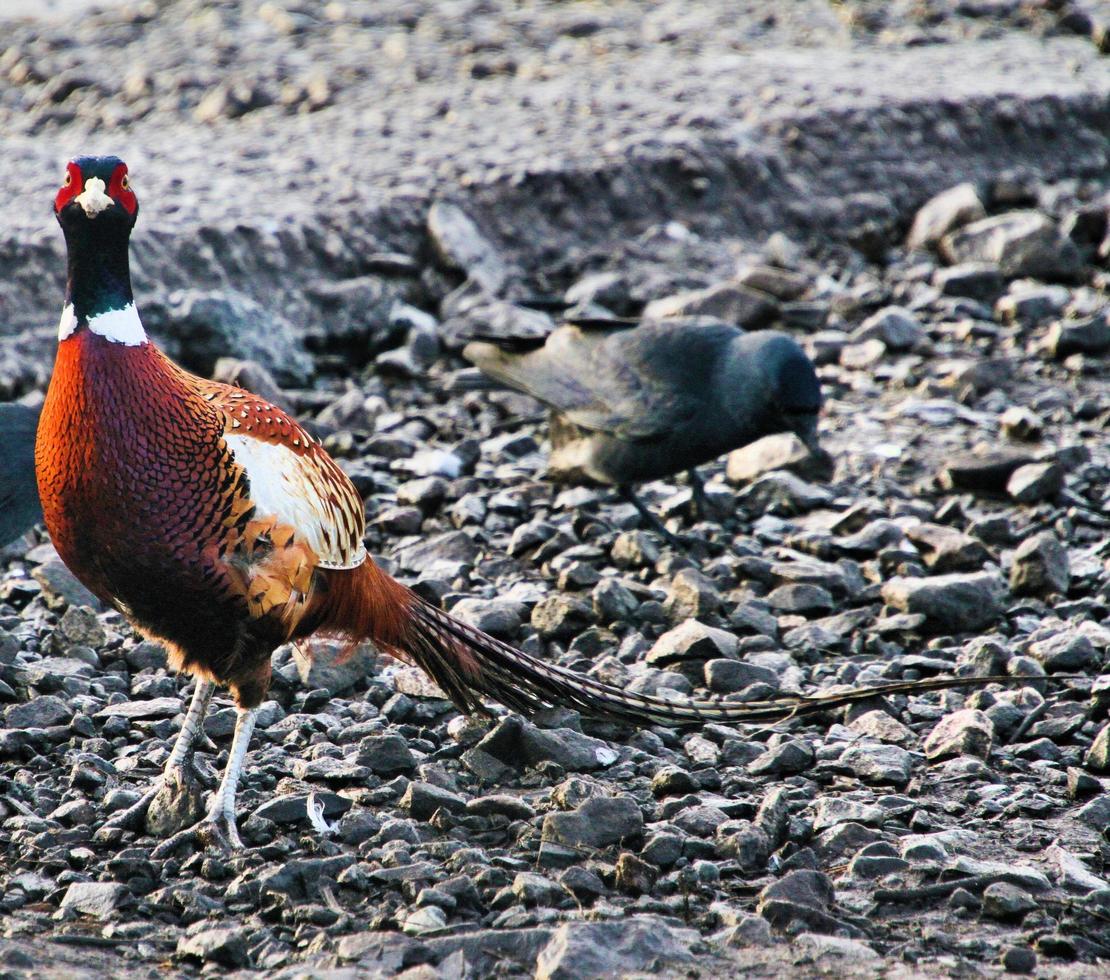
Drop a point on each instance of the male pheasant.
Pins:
(218, 526)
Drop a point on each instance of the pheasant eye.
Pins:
(125, 184)
(69, 178)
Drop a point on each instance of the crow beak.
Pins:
(805, 426)
(92, 199)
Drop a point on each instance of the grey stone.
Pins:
(142, 710)
(330, 665)
(965, 732)
(790, 757)
(692, 640)
(782, 284)
(461, 245)
(943, 213)
(1031, 303)
(534, 889)
(1090, 336)
(79, 624)
(880, 763)
(608, 949)
(981, 281)
(503, 805)
(947, 550)
(781, 492)
(451, 547)
(882, 726)
(953, 603)
(41, 712)
(634, 549)
(198, 327)
(98, 899)
(303, 878)
(179, 803)
(1065, 649)
(1097, 758)
(748, 931)
(597, 823)
(725, 676)
(498, 617)
(780, 451)
(832, 810)
(865, 865)
(613, 601)
(740, 305)
(817, 945)
(803, 598)
(424, 799)
(1095, 814)
(430, 918)
(293, 807)
(60, 587)
(1035, 482)
(699, 821)
(692, 595)
(1018, 959)
(518, 743)
(227, 947)
(986, 473)
(895, 326)
(561, 617)
(1022, 243)
(352, 411)
(1021, 424)
(793, 894)
(1007, 902)
(863, 355)
(662, 849)
(385, 754)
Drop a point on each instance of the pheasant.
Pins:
(633, 401)
(220, 527)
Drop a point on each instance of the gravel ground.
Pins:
(335, 196)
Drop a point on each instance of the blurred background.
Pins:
(277, 146)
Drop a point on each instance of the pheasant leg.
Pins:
(177, 778)
(218, 826)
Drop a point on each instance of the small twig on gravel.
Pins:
(1028, 722)
(939, 890)
(78, 939)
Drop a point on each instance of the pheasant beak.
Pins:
(92, 199)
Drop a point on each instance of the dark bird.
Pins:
(633, 401)
(19, 494)
(219, 527)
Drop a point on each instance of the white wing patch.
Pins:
(288, 486)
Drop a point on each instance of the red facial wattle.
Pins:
(118, 189)
(72, 186)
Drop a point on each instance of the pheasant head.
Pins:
(97, 209)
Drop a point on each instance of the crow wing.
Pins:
(632, 381)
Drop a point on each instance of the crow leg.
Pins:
(177, 776)
(702, 506)
(218, 826)
(627, 493)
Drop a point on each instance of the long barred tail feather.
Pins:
(467, 663)
(366, 603)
